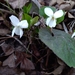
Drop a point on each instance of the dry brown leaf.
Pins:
(59, 26)
(4, 31)
(70, 15)
(8, 49)
(25, 63)
(52, 2)
(17, 3)
(58, 70)
(60, 62)
(71, 72)
(10, 71)
(60, 1)
(0, 63)
(1, 18)
(10, 61)
(35, 50)
(67, 5)
(41, 2)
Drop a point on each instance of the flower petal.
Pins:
(21, 33)
(52, 23)
(14, 20)
(17, 31)
(48, 11)
(23, 24)
(13, 31)
(73, 35)
(48, 21)
(58, 14)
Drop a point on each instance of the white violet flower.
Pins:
(73, 35)
(51, 20)
(18, 25)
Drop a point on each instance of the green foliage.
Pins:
(41, 11)
(26, 17)
(59, 20)
(34, 20)
(31, 21)
(61, 44)
(27, 8)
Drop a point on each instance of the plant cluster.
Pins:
(61, 43)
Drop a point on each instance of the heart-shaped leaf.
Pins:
(61, 44)
(42, 13)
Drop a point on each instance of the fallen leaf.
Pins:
(0, 63)
(60, 1)
(10, 61)
(25, 64)
(9, 71)
(22, 73)
(41, 2)
(52, 2)
(58, 70)
(67, 5)
(1, 18)
(70, 15)
(17, 3)
(4, 31)
(60, 62)
(8, 49)
(71, 72)
(35, 50)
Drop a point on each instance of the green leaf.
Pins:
(61, 44)
(34, 20)
(26, 8)
(26, 17)
(59, 20)
(29, 7)
(41, 11)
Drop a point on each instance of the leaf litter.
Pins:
(39, 60)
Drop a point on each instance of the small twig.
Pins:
(47, 59)
(5, 21)
(71, 24)
(26, 49)
(7, 6)
(41, 58)
(10, 12)
(65, 28)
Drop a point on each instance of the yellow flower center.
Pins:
(52, 17)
